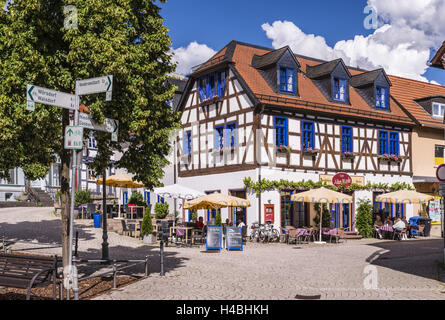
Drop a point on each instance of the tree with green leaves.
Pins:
(137, 199)
(53, 43)
(161, 210)
(363, 219)
(326, 217)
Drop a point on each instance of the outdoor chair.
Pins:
(125, 230)
(421, 230)
(400, 235)
(308, 234)
(292, 235)
(333, 234)
(244, 233)
(199, 234)
(340, 234)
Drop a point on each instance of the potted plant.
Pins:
(390, 158)
(311, 152)
(161, 210)
(147, 229)
(348, 155)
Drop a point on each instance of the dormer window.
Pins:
(287, 80)
(438, 110)
(381, 98)
(212, 85)
(340, 89)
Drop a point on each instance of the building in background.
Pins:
(254, 112)
(438, 60)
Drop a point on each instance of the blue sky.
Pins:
(211, 25)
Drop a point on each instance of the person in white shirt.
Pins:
(240, 223)
(399, 225)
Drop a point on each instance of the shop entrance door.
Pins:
(237, 213)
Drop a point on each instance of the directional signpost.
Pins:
(111, 125)
(95, 85)
(73, 137)
(74, 141)
(35, 94)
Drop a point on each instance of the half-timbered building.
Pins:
(253, 112)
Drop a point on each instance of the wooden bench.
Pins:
(26, 272)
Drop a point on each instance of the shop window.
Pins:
(439, 155)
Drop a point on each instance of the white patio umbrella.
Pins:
(177, 191)
(321, 195)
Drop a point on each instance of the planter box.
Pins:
(150, 239)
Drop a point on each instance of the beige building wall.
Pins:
(424, 141)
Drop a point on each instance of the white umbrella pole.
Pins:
(321, 223)
(118, 200)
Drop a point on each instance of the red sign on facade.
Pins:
(342, 178)
(269, 214)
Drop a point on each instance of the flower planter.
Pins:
(390, 158)
(149, 239)
(348, 156)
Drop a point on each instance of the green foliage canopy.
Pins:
(126, 39)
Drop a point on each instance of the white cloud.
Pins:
(193, 55)
(408, 30)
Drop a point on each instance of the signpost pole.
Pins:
(105, 255)
(73, 271)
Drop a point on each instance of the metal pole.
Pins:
(162, 256)
(105, 255)
(72, 274)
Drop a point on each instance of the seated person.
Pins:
(241, 223)
(228, 223)
(399, 225)
(200, 223)
(388, 222)
(377, 224)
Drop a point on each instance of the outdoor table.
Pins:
(185, 229)
(137, 223)
(387, 230)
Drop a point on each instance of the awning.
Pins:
(420, 179)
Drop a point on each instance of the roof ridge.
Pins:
(414, 80)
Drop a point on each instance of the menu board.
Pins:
(214, 238)
(435, 210)
(234, 238)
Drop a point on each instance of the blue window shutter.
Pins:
(281, 131)
(147, 197)
(221, 83)
(231, 135)
(184, 144)
(201, 90)
(218, 84)
(383, 142)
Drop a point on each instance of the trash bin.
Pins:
(419, 221)
(97, 220)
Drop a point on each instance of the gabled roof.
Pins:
(407, 92)
(324, 69)
(404, 92)
(438, 60)
(367, 78)
(271, 58)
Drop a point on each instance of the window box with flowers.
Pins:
(348, 156)
(284, 150)
(390, 158)
(311, 152)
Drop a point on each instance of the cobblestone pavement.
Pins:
(404, 269)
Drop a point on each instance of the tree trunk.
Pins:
(66, 197)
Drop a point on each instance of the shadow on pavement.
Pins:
(416, 257)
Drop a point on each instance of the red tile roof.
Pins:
(403, 91)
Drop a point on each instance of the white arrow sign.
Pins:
(35, 94)
(95, 85)
(111, 125)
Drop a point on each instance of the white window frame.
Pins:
(441, 106)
